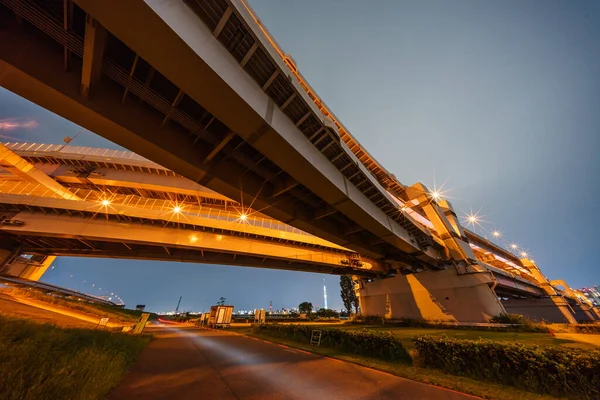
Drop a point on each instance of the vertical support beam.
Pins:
(249, 54)
(149, 77)
(67, 26)
(270, 80)
(135, 61)
(222, 21)
(93, 51)
(7, 256)
(173, 105)
(219, 147)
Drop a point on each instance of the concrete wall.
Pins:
(432, 295)
(550, 309)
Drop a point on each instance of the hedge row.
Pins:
(587, 328)
(523, 325)
(553, 370)
(384, 346)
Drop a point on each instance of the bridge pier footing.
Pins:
(550, 309)
(433, 296)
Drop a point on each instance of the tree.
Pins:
(221, 301)
(348, 295)
(327, 313)
(305, 307)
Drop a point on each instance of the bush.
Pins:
(553, 370)
(587, 328)
(384, 346)
(505, 318)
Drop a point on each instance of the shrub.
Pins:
(384, 346)
(553, 370)
(587, 328)
(505, 318)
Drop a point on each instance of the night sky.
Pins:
(499, 100)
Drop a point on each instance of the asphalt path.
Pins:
(207, 364)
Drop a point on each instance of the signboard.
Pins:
(141, 323)
(259, 316)
(102, 323)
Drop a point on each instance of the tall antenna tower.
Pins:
(324, 294)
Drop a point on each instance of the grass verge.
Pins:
(430, 376)
(99, 310)
(47, 362)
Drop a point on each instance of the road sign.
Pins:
(141, 323)
(102, 323)
(315, 338)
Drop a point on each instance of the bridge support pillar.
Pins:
(8, 254)
(29, 268)
(550, 309)
(584, 313)
(432, 295)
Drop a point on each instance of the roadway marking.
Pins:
(291, 351)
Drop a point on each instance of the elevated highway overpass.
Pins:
(200, 88)
(60, 200)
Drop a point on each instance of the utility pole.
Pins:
(178, 303)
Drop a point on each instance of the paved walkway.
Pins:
(205, 364)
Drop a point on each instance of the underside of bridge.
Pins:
(201, 89)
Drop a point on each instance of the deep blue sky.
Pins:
(499, 99)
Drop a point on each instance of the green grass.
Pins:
(462, 384)
(48, 362)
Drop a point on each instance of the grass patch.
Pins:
(47, 362)
(463, 384)
(99, 310)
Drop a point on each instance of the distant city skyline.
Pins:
(496, 100)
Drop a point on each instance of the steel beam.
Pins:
(93, 52)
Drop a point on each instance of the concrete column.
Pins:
(550, 309)
(7, 256)
(584, 313)
(433, 296)
(31, 269)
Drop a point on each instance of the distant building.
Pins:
(592, 293)
(140, 307)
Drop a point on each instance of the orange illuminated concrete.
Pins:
(203, 91)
